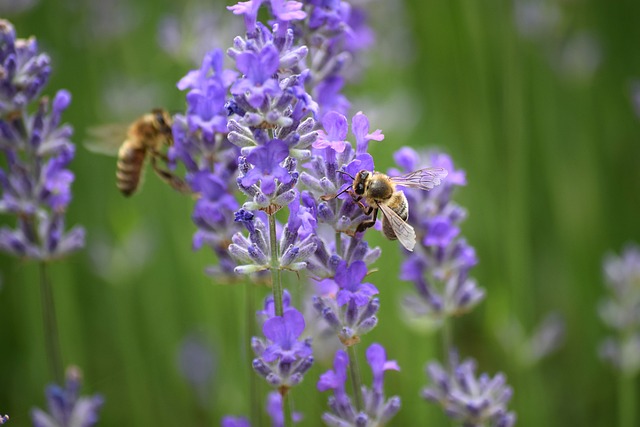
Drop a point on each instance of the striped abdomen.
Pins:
(129, 169)
(397, 202)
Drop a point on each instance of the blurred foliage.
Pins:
(531, 99)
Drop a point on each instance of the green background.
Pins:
(549, 141)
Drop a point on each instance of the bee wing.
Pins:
(404, 231)
(106, 139)
(424, 179)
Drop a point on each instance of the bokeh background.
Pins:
(533, 98)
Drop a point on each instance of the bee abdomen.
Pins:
(129, 169)
(398, 203)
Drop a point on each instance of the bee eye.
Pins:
(160, 120)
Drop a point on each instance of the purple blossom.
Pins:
(266, 161)
(282, 358)
(66, 407)
(284, 331)
(287, 10)
(360, 129)
(349, 279)
(335, 132)
(377, 410)
(258, 83)
(465, 398)
(250, 11)
(4, 419)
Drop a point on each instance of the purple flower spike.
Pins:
(336, 379)
(266, 160)
(335, 132)
(284, 331)
(351, 289)
(66, 407)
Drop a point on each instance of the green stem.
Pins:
(52, 343)
(254, 384)
(447, 333)
(354, 373)
(339, 244)
(276, 278)
(287, 409)
(627, 400)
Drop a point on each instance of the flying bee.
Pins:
(380, 193)
(146, 136)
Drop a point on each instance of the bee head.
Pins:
(359, 182)
(162, 120)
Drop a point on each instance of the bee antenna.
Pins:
(346, 173)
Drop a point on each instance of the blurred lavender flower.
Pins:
(36, 184)
(230, 421)
(196, 364)
(4, 419)
(66, 407)
(196, 30)
(472, 401)
(439, 266)
(621, 310)
(545, 339)
(282, 358)
(377, 410)
(537, 19)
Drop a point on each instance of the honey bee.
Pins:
(146, 136)
(380, 193)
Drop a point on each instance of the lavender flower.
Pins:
(377, 410)
(36, 184)
(254, 255)
(4, 419)
(349, 307)
(472, 401)
(66, 407)
(439, 267)
(621, 310)
(282, 358)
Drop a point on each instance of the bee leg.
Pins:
(175, 182)
(369, 223)
(358, 199)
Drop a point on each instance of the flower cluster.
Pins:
(376, 409)
(36, 182)
(473, 401)
(621, 310)
(283, 358)
(4, 419)
(66, 407)
(440, 265)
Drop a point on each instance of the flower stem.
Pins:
(447, 332)
(287, 409)
(354, 373)
(50, 324)
(276, 277)
(627, 400)
(339, 244)
(254, 384)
